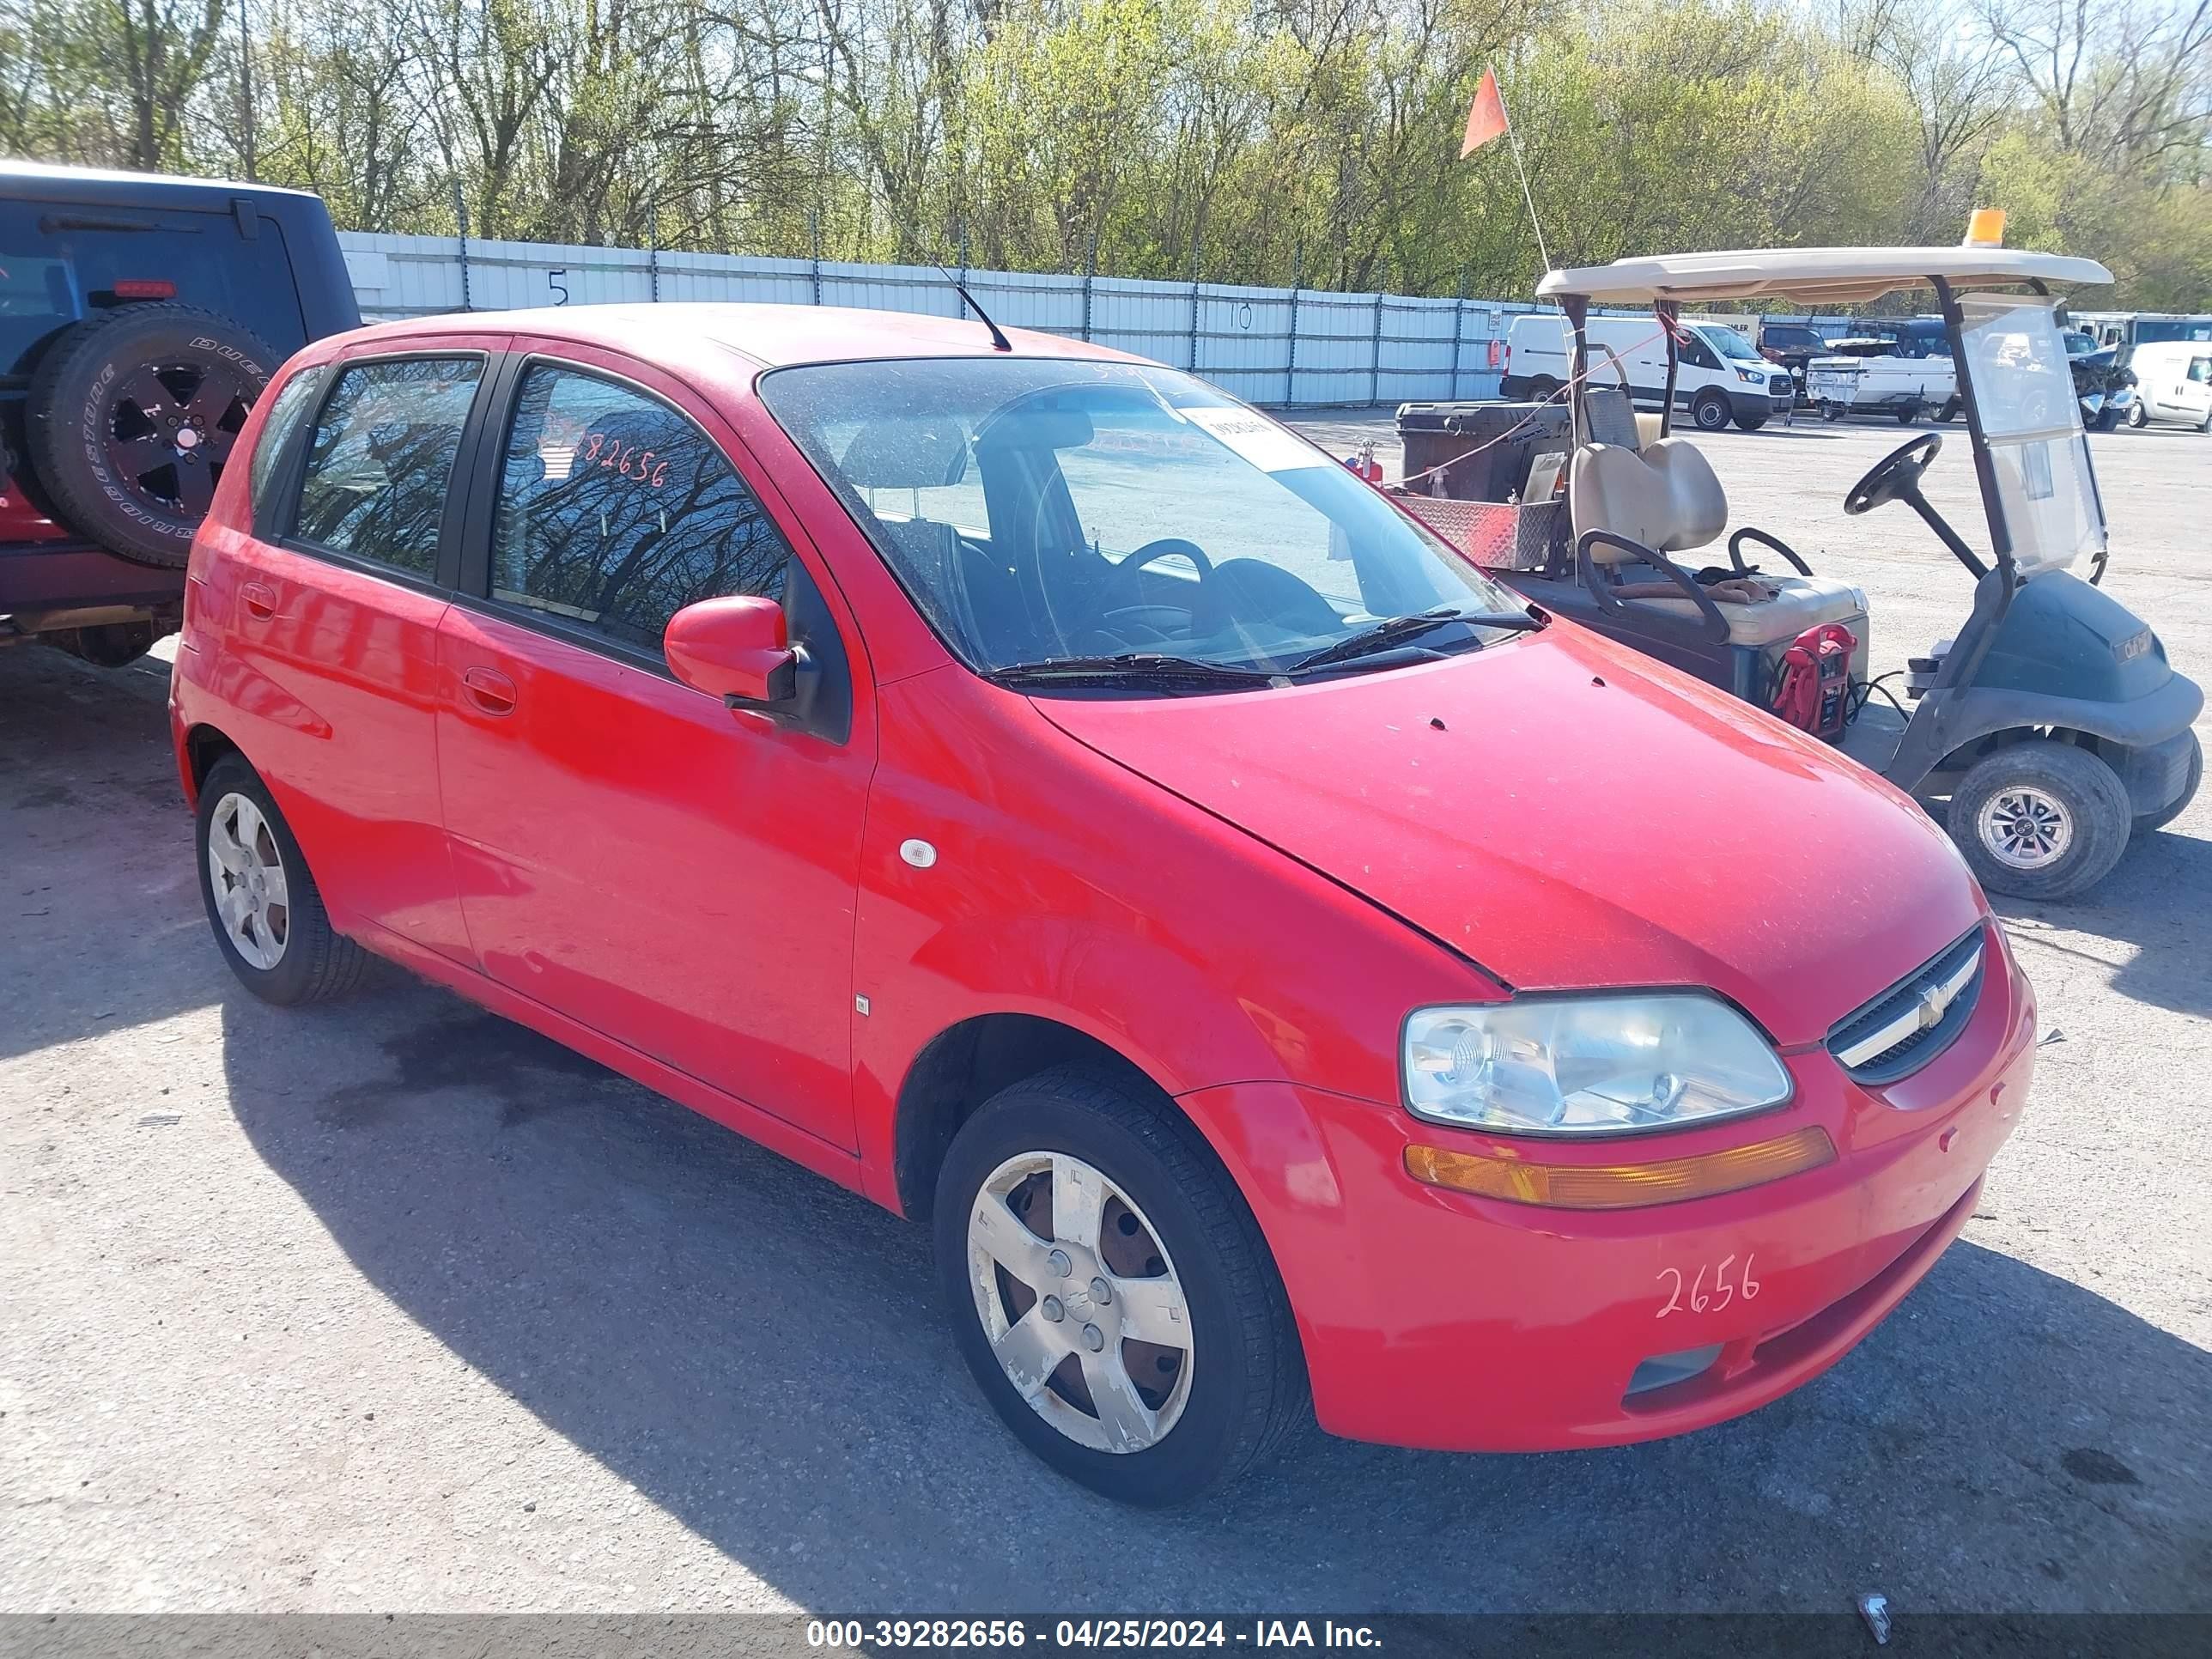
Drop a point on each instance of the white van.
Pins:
(2173, 382)
(1720, 378)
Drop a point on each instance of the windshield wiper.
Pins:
(1397, 630)
(1143, 667)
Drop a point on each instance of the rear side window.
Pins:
(615, 512)
(285, 415)
(382, 456)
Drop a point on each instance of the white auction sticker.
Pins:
(1256, 438)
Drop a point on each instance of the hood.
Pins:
(1569, 815)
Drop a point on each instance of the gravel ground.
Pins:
(393, 1307)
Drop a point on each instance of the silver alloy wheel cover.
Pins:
(1030, 1348)
(246, 872)
(2025, 828)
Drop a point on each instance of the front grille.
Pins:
(1780, 386)
(1915, 1020)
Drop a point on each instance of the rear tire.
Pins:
(2040, 820)
(1230, 1383)
(1907, 414)
(130, 419)
(273, 932)
(2174, 808)
(1831, 410)
(1543, 389)
(1710, 410)
(106, 645)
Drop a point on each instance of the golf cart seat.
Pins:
(1631, 509)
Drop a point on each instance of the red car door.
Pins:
(631, 853)
(330, 646)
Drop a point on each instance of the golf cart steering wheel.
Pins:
(1895, 475)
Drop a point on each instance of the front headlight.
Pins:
(1756, 377)
(1588, 1065)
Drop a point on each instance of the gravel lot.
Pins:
(391, 1306)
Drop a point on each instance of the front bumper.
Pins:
(1439, 1319)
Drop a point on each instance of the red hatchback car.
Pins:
(1297, 980)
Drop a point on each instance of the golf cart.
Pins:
(2051, 722)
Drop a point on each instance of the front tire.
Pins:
(1111, 1291)
(1710, 410)
(2040, 820)
(2138, 416)
(1749, 422)
(261, 902)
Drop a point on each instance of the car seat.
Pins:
(1630, 508)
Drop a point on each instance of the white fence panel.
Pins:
(1266, 345)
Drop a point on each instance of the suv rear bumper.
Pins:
(45, 586)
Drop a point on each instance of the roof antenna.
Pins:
(999, 341)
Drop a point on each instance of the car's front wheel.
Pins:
(266, 911)
(1110, 1290)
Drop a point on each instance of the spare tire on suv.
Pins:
(130, 420)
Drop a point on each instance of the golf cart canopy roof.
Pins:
(1824, 276)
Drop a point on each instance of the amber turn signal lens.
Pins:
(1621, 1186)
(1985, 227)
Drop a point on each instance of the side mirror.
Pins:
(736, 649)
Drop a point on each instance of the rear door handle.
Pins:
(259, 600)
(490, 690)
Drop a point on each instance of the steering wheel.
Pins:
(1167, 547)
(1895, 475)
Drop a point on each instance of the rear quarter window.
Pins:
(291, 403)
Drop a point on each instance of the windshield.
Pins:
(2016, 360)
(1730, 344)
(1042, 510)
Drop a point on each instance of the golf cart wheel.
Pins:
(2138, 416)
(267, 915)
(2040, 820)
(1949, 412)
(1907, 414)
(1831, 410)
(1710, 410)
(1111, 1291)
(131, 417)
(2174, 808)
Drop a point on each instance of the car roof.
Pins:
(1815, 275)
(771, 336)
(38, 180)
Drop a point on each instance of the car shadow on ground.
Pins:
(2170, 963)
(94, 823)
(761, 1354)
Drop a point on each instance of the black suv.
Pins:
(140, 317)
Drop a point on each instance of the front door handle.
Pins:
(259, 600)
(490, 690)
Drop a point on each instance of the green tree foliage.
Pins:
(1262, 141)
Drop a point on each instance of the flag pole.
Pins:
(1513, 142)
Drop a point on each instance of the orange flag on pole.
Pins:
(1485, 119)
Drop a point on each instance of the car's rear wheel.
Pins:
(2040, 820)
(132, 418)
(1111, 1291)
(262, 902)
(1831, 410)
(106, 645)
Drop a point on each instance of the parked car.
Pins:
(1026, 786)
(140, 317)
(1791, 346)
(2173, 382)
(1878, 375)
(2105, 390)
(1720, 376)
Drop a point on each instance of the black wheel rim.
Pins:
(169, 430)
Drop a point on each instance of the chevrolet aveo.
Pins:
(1296, 980)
